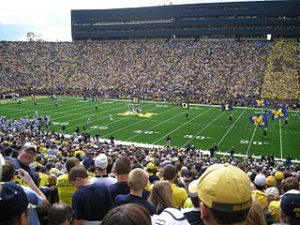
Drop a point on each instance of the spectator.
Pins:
(121, 169)
(60, 214)
(13, 204)
(256, 215)
(25, 158)
(161, 196)
(192, 214)
(101, 163)
(34, 195)
(91, 201)
(64, 187)
(137, 181)
(128, 214)
(219, 207)
(179, 194)
(290, 205)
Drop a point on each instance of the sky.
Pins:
(51, 20)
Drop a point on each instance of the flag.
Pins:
(261, 103)
(135, 100)
(259, 119)
(227, 107)
(278, 113)
(185, 105)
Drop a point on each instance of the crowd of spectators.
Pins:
(282, 78)
(201, 71)
(165, 183)
(64, 178)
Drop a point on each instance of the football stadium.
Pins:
(155, 93)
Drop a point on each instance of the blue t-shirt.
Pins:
(92, 202)
(123, 199)
(118, 189)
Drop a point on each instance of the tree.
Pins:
(31, 36)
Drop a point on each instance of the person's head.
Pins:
(13, 205)
(137, 179)
(279, 176)
(256, 215)
(122, 166)
(8, 171)
(161, 195)
(169, 172)
(289, 184)
(101, 162)
(260, 181)
(128, 214)
(71, 162)
(52, 179)
(225, 194)
(77, 175)
(272, 194)
(290, 207)
(60, 214)
(27, 153)
(270, 181)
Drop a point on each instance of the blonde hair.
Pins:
(52, 179)
(256, 215)
(161, 195)
(137, 179)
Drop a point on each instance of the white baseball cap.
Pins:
(101, 161)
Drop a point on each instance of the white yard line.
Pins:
(231, 127)
(280, 138)
(251, 140)
(156, 125)
(181, 126)
(208, 125)
(124, 128)
(297, 115)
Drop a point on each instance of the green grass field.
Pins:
(205, 125)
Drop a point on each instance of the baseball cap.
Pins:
(220, 177)
(101, 161)
(261, 197)
(192, 189)
(270, 181)
(150, 165)
(272, 191)
(260, 180)
(29, 145)
(13, 201)
(279, 175)
(290, 204)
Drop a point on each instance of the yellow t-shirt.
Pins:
(65, 189)
(179, 195)
(43, 179)
(188, 203)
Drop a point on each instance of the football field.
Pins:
(204, 126)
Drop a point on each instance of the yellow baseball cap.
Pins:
(225, 188)
(271, 181)
(279, 175)
(150, 165)
(261, 197)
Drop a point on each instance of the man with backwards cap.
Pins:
(25, 158)
(225, 194)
